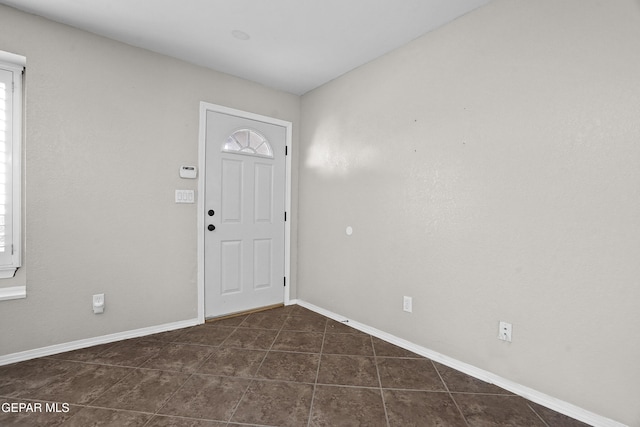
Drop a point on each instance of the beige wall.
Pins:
(107, 128)
(490, 170)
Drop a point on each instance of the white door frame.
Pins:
(204, 108)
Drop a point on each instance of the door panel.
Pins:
(245, 182)
(263, 199)
(262, 263)
(231, 183)
(231, 267)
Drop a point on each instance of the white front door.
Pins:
(244, 207)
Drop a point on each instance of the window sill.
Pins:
(14, 292)
(7, 272)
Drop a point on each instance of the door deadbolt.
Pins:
(211, 212)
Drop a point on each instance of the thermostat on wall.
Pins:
(188, 172)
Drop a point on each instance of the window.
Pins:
(247, 141)
(11, 72)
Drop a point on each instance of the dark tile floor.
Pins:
(282, 367)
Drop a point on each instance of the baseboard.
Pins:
(526, 392)
(88, 342)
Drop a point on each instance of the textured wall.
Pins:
(107, 128)
(490, 170)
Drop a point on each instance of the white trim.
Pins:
(543, 399)
(8, 272)
(13, 292)
(13, 58)
(204, 108)
(202, 176)
(287, 207)
(15, 64)
(75, 345)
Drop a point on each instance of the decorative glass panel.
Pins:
(247, 141)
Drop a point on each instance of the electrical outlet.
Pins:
(98, 303)
(504, 331)
(407, 304)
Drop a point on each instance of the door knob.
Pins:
(211, 227)
(211, 212)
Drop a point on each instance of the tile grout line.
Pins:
(449, 392)
(315, 383)
(98, 364)
(133, 370)
(375, 361)
(195, 371)
(173, 394)
(166, 345)
(252, 380)
(539, 416)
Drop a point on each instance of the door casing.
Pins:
(204, 108)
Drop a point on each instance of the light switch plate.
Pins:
(185, 196)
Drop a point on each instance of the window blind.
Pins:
(10, 126)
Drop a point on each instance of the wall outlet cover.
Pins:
(504, 331)
(98, 303)
(407, 304)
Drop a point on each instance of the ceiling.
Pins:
(291, 45)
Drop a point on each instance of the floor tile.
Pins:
(144, 390)
(334, 327)
(179, 357)
(132, 353)
(356, 345)
(22, 379)
(229, 321)
(348, 370)
(207, 397)
(457, 381)
(486, 410)
(264, 320)
(275, 403)
(421, 409)
(347, 406)
(287, 309)
(385, 349)
(205, 335)
(37, 416)
(308, 314)
(81, 384)
(84, 354)
(260, 369)
(554, 418)
(169, 336)
(298, 310)
(233, 362)
(99, 417)
(310, 342)
(166, 421)
(412, 374)
(300, 367)
(257, 339)
(305, 323)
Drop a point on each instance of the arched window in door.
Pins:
(248, 141)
